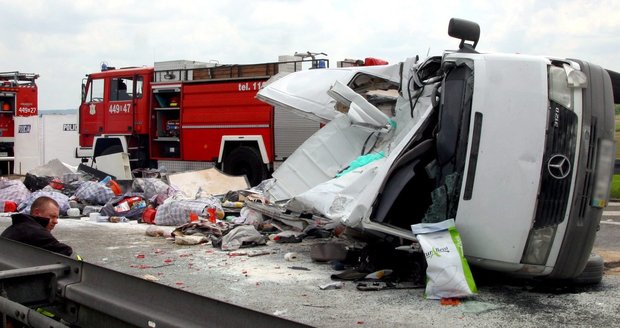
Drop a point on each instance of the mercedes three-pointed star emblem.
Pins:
(558, 166)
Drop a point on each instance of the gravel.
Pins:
(267, 283)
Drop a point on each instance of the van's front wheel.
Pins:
(593, 272)
(246, 161)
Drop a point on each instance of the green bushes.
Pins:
(615, 187)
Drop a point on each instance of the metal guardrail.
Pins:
(87, 295)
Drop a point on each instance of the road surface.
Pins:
(273, 285)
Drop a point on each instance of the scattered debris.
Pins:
(190, 240)
(280, 312)
(150, 277)
(318, 306)
(204, 220)
(379, 274)
(154, 231)
(210, 182)
(259, 253)
(292, 256)
(379, 285)
(332, 285)
(161, 265)
(328, 251)
(299, 268)
(450, 301)
(242, 235)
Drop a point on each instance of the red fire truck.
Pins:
(191, 115)
(18, 97)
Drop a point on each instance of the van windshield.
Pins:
(425, 182)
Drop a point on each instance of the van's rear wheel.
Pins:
(246, 161)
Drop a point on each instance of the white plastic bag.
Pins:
(448, 274)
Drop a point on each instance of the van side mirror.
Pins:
(466, 31)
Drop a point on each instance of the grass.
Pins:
(615, 187)
(617, 133)
(615, 182)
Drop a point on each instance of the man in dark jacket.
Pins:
(36, 229)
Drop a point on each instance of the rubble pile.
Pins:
(228, 221)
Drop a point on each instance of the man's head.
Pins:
(46, 207)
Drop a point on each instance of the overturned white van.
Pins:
(518, 149)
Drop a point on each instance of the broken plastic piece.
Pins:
(299, 268)
(370, 286)
(373, 286)
(258, 253)
(9, 206)
(154, 231)
(332, 285)
(328, 252)
(337, 265)
(117, 219)
(148, 216)
(230, 204)
(361, 112)
(379, 274)
(450, 301)
(150, 277)
(211, 212)
(292, 256)
(190, 240)
(70, 212)
(349, 275)
(115, 187)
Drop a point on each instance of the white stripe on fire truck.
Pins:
(224, 126)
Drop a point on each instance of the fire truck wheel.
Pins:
(246, 160)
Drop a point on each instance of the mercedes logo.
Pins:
(558, 166)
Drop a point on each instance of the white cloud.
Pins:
(62, 40)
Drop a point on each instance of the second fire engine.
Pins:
(191, 115)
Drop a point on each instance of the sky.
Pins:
(63, 40)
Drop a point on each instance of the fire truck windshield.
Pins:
(95, 91)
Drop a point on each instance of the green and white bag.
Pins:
(448, 274)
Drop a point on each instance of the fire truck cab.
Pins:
(114, 113)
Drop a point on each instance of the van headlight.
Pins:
(538, 245)
(604, 168)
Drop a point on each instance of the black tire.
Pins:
(246, 161)
(141, 160)
(593, 272)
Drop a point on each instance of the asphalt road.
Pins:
(607, 236)
(270, 284)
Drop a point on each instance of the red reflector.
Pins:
(369, 61)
